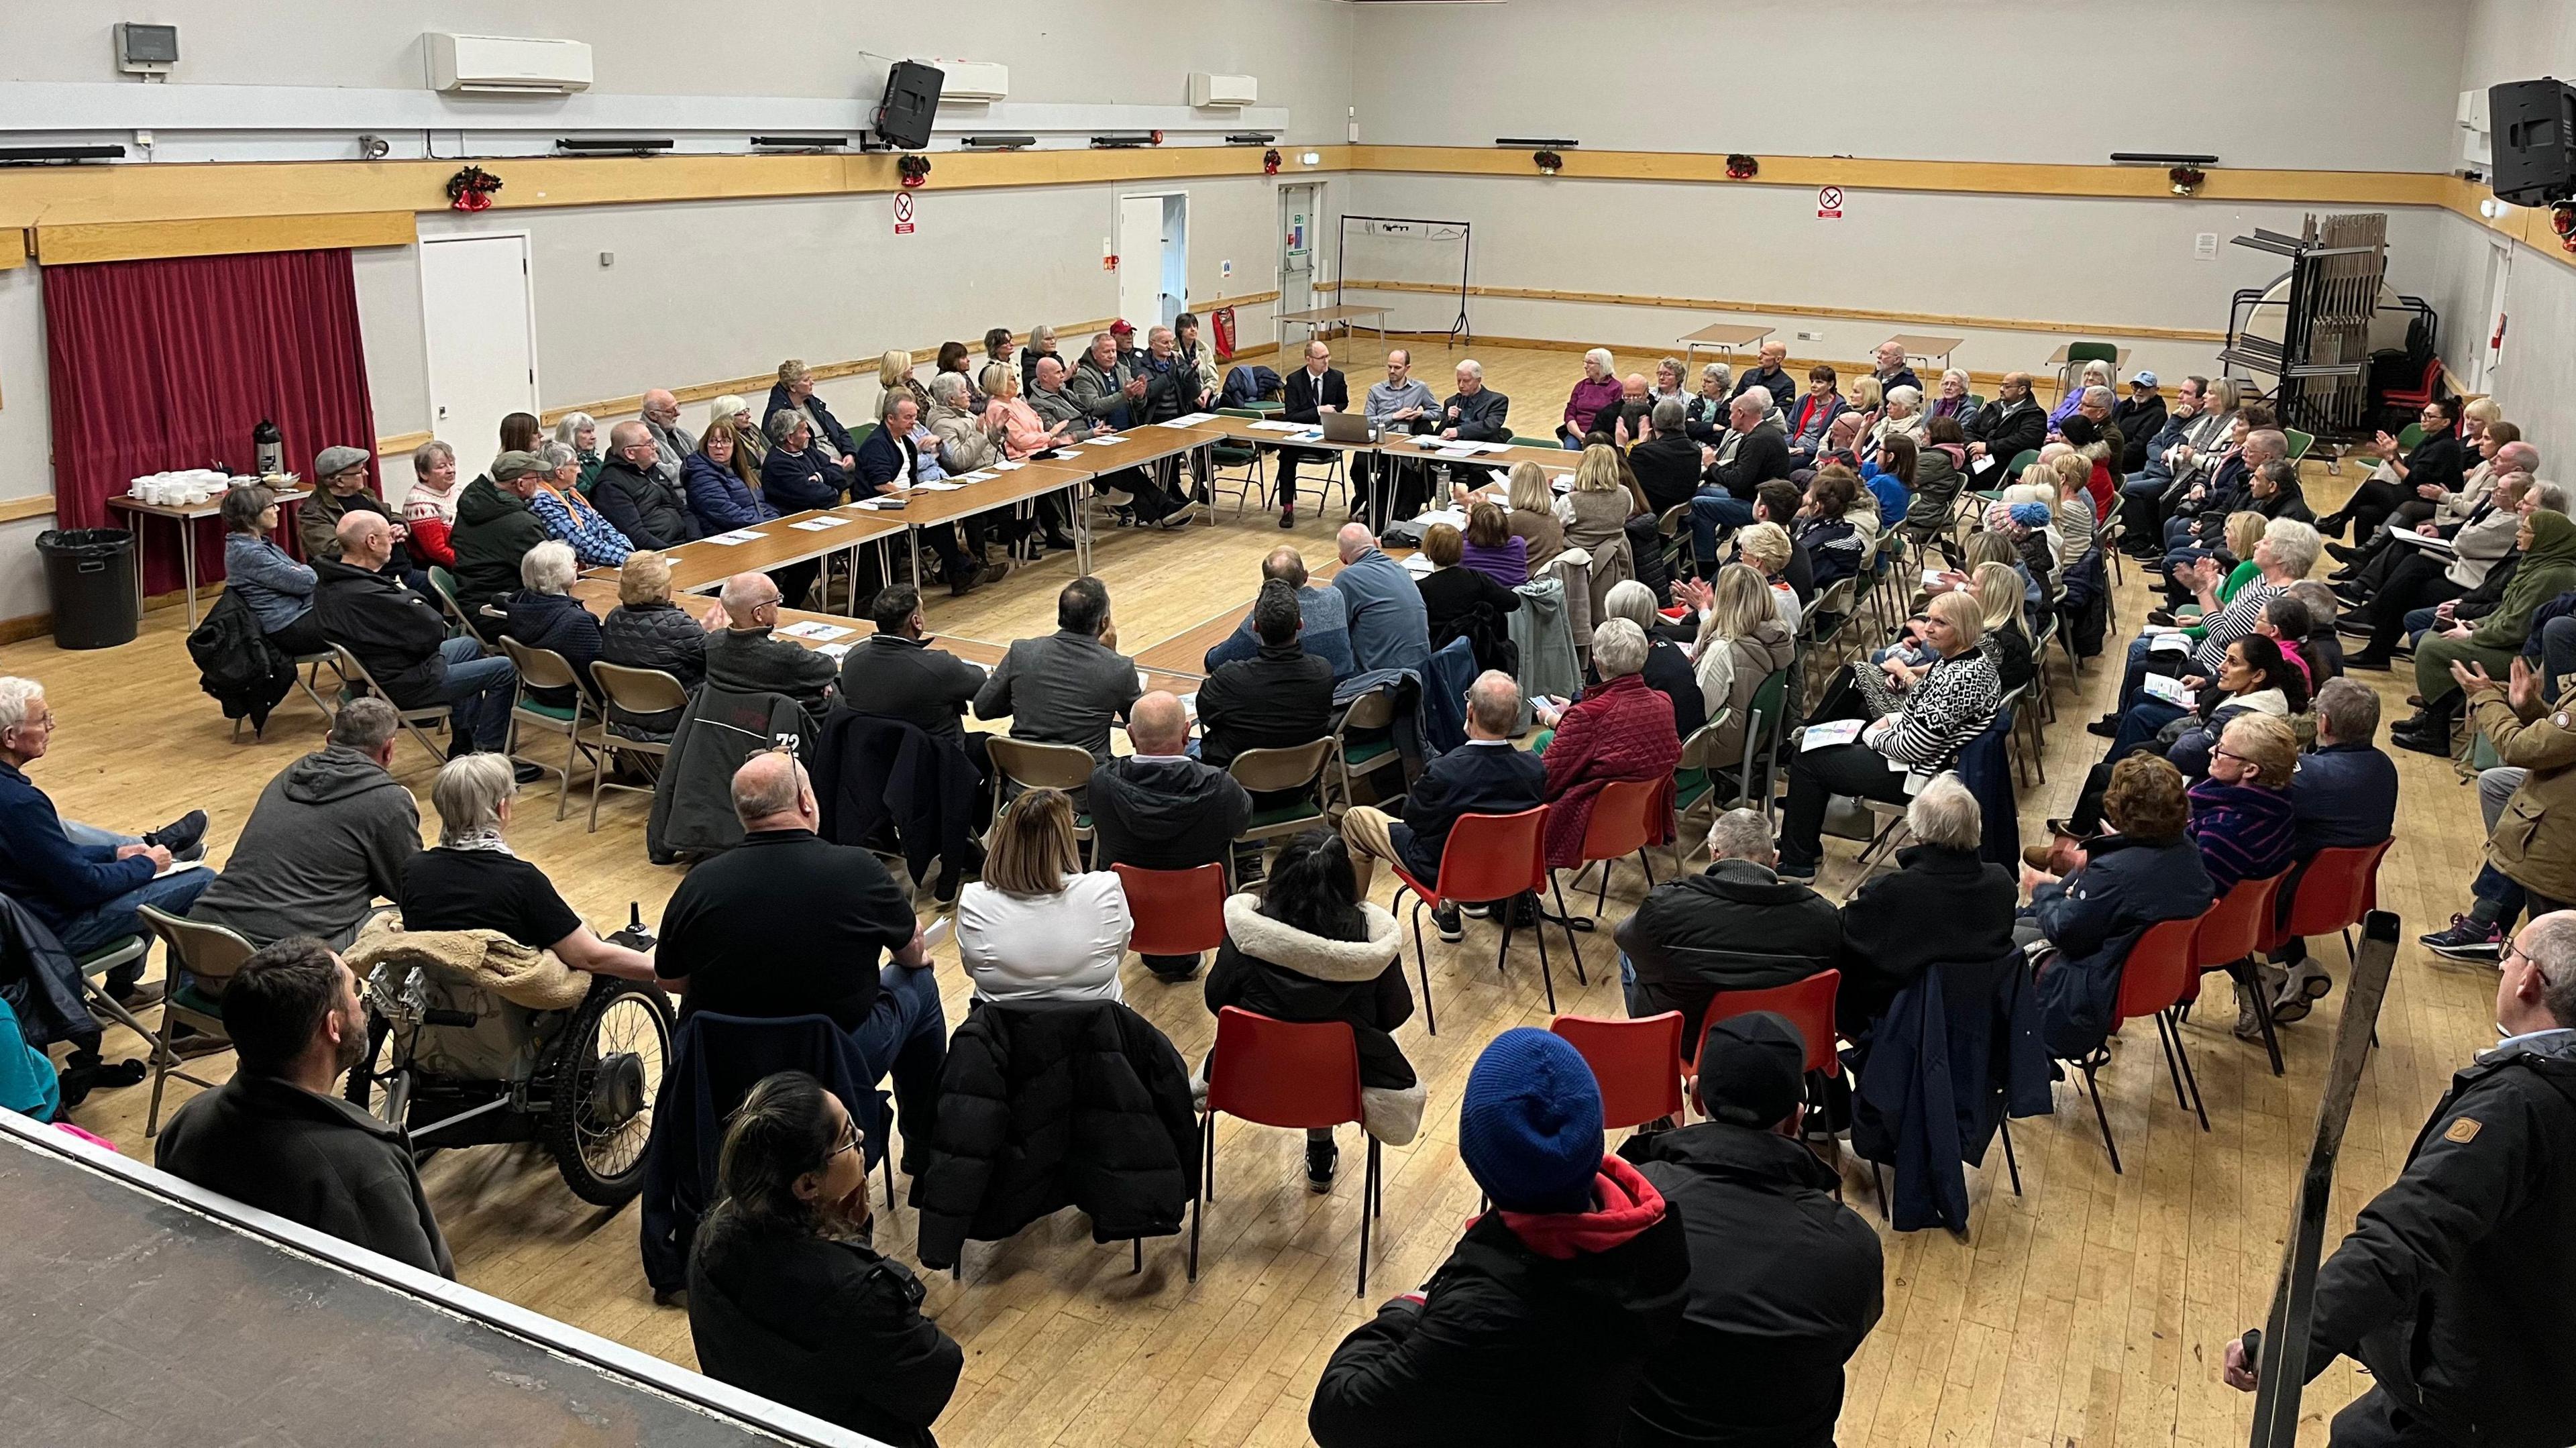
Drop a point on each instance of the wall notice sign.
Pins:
(902, 214)
(1829, 203)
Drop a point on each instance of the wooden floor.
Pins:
(2090, 1310)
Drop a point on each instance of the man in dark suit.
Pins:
(895, 674)
(1312, 391)
(1475, 412)
(1279, 698)
(1667, 463)
(1068, 687)
(2012, 424)
(1486, 776)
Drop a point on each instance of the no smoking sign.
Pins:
(902, 214)
(1829, 203)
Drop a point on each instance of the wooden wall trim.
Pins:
(13, 247)
(221, 236)
(35, 505)
(1866, 314)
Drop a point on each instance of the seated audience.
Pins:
(1597, 509)
(328, 837)
(544, 615)
(545, 482)
(748, 657)
(1460, 602)
(796, 477)
(1770, 376)
(277, 589)
(730, 946)
(1036, 927)
(1491, 549)
(1954, 401)
(1324, 630)
(1834, 544)
(1310, 948)
(1279, 698)
(900, 453)
(80, 882)
(724, 485)
(1734, 926)
(580, 432)
(1549, 1311)
(496, 526)
(1940, 471)
(1390, 626)
(1785, 1281)
(1944, 904)
(1668, 463)
(277, 1136)
(1725, 497)
(1668, 666)
(1813, 416)
(2529, 861)
(2243, 819)
(339, 489)
(1954, 701)
(795, 389)
(2283, 556)
(1619, 732)
(402, 643)
(1741, 643)
(1887, 475)
(472, 881)
(2146, 871)
(1704, 411)
(896, 674)
(1532, 520)
(894, 376)
(2254, 677)
(788, 1300)
(1041, 347)
(2548, 549)
(2012, 424)
(2438, 459)
(1766, 548)
(1489, 776)
(429, 509)
(1598, 389)
(2426, 578)
(647, 630)
(1159, 809)
(635, 493)
(1070, 686)
(671, 443)
(731, 415)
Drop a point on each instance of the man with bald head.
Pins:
(746, 657)
(672, 443)
(2012, 424)
(1390, 629)
(1488, 776)
(1892, 370)
(1625, 420)
(1159, 809)
(1771, 376)
(1327, 631)
(1310, 392)
(1401, 404)
(401, 640)
(635, 497)
(788, 924)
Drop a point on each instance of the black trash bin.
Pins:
(89, 574)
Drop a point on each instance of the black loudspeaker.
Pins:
(911, 100)
(2534, 126)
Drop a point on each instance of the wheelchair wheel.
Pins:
(606, 1078)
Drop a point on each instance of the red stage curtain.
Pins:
(170, 363)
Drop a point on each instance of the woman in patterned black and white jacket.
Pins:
(1953, 703)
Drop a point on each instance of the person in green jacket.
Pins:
(2548, 544)
(495, 528)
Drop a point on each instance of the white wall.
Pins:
(2509, 40)
(2321, 84)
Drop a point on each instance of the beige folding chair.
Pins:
(1276, 771)
(1370, 713)
(414, 721)
(631, 691)
(1024, 764)
(546, 669)
(211, 956)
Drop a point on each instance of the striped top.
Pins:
(2231, 623)
(1954, 704)
(2245, 831)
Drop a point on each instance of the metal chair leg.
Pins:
(2094, 1088)
(2182, 1053)
(1207, 1135)
(2010, 1164)
(2164, 1038)
(1368, 1200)
(2248, 982)
(1422, 959)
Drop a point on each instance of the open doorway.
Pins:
(1153, 258)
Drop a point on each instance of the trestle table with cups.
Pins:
(186, 516)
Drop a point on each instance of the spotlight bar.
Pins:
(1548, 142)
(1252, 138)
(611, 146)
(39, 155)
(999, 143)
(801, 143)
(2159, 158)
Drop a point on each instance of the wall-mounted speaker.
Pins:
(2535, 140)
(911, 102)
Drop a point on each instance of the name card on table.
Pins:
(736, 538)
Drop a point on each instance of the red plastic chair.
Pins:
(1489, 857)
(1291, 1074)
(2226, 940)
(1638, 1064)
(2336, 889)
(1176, 912)
(1627, 816)
(2152, 980)
(1809, 1005)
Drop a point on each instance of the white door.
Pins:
(2490, 353)
(1140, 262)
(479, 321)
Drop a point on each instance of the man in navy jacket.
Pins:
(2344, 797)
(85, 884)
(1486, 776)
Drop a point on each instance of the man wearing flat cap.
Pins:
(340, 485)
(1785, 1281)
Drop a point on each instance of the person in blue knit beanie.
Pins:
(1538, 1327)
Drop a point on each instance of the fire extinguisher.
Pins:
(267, 449)
(1223, 320)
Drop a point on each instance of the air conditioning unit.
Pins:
(1223, 90)
(974, 80)
(2477, 138)
(503, 65)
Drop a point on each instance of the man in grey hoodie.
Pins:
(328, 836)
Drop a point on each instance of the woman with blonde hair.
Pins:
(894, 374)
(1036, 927)
(1041, 345)
(1596, 511)
(2070, 475)
(1533, 517)
(648, 630)
(1741, 643)
(1766, 547)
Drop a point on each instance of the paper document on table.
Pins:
(736, 538)
(940, 487)
(1279, 427)
(975, 477)
(1823, 736)
(1417, 565)
(814, 629)
(2171, 691)
(1454, 517)
(817, 525)
(1191, 419)
(2170, 643)
(1110, 440)
(1008, 467)
(831, 651)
